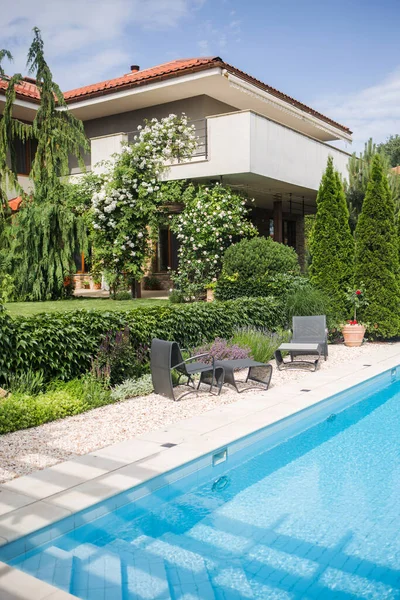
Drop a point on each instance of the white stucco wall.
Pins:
(103, 147)
(285, 155)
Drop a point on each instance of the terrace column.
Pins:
(278, 223)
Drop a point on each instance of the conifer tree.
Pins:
(377, 255)
(46, 232)
(359, 168)
(332, 244)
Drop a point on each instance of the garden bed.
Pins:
(25, 451)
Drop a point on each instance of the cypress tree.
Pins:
(332, 244)
(377, 255)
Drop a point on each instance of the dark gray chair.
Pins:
(166, 357)
(310, 330)
(310, 337)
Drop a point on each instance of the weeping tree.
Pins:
(46, 233)
(10, 131)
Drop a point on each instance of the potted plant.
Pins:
(353, 331)
(97, 283)
(86, 284)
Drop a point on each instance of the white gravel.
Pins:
(25, 451)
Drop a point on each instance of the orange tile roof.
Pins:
(168, 70)
(172, 68)
(15, 203)
(24, 90)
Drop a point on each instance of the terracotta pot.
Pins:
(97, 286)
(210, 296)
(86, 286)
(353, 335)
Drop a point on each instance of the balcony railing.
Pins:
(201, 134)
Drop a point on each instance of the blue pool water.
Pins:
(316, 516)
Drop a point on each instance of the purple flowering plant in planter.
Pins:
(221, 349)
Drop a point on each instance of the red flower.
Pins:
(358, 292)
(353, 322)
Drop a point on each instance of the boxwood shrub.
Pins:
(61, 345)
(62, 399)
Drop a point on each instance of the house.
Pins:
(251, 136)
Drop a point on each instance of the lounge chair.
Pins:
(310, 337)
(166, 357)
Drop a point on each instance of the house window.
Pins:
(24, 154)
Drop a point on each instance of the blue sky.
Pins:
(340, 57)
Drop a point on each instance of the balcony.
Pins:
(250, 152)
(245, 146)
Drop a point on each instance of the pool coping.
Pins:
(42, 498)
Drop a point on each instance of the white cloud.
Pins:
(371, 112)
(85, 37)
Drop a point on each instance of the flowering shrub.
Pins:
(117, 359)
(125, 208)
(213, 218)
(221, 349)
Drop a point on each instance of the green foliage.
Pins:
(377, 258)
(11, 129)
(151, 282)
(131, 388)
(123, 295)
(47, 233)
(58, 133)
(47, 236)
(309, 301)
(258, 267)
(25, 382)
(332, 243)
(7, 287)
(7, 343)
(213, 217)
(278, 286)
(258, 257)
(118, 359)
(63, 345)
(262, 343)
(359, 168)
(22, 410)
(391, 148)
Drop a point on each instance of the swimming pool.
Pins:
(308, 509)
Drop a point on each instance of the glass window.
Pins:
(24, 154)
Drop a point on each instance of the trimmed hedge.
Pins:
(278, 286)
(62, 344)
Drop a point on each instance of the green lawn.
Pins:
(33, 308)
